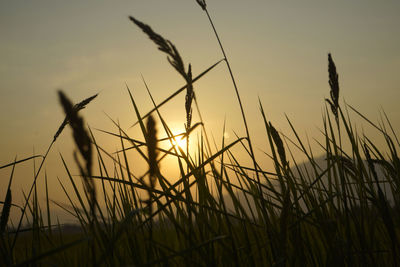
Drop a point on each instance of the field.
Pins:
(339, 210)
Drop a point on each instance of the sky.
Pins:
(277, 50)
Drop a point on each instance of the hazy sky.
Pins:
(278, 52)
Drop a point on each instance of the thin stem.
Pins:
(29, 195)
(237, 95)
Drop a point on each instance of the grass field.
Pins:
(342, 210)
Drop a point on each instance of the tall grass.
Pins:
(343, 210)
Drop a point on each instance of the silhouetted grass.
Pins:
(343, 210)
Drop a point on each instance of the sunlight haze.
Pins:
(277, 50)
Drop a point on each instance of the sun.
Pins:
(179, 142)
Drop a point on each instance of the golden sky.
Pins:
(277, 49)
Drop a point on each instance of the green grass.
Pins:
(344, 211)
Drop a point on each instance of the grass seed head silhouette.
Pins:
(279, 144)
(334, 84)
(77, 107)
(189, 98)
(83, 142)
(202, 4)
(152, 149)
(174, 58)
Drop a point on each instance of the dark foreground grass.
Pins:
(345, 211)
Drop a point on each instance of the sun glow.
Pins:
(179, 142)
